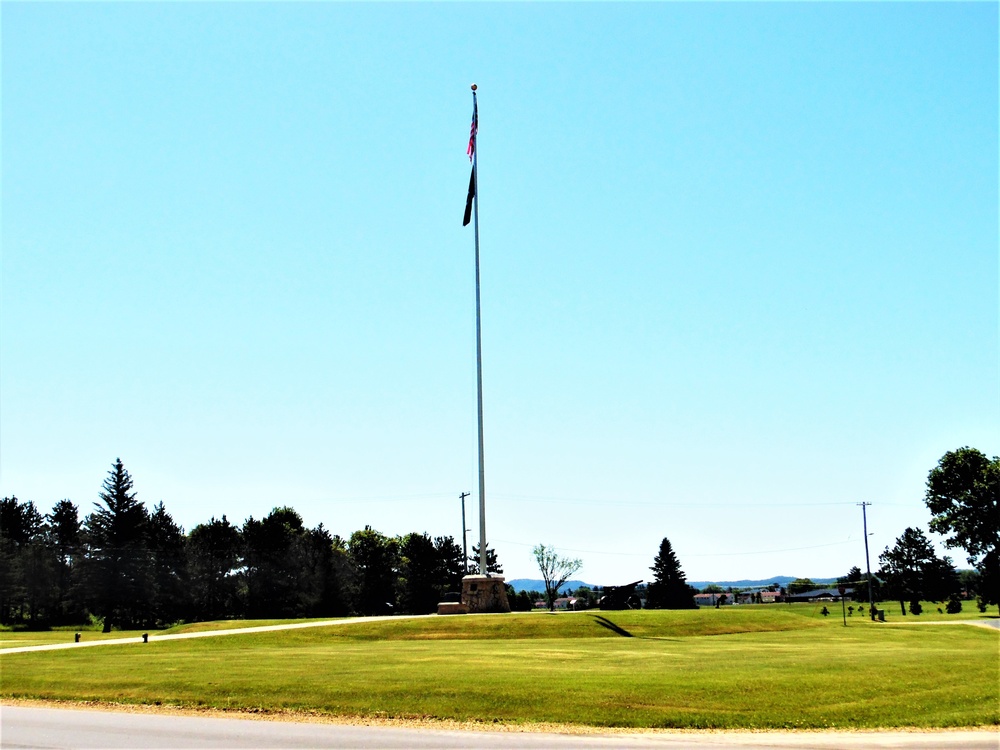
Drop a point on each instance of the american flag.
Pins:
(473, 129)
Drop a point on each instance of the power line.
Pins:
(682, 504)
(684, 554)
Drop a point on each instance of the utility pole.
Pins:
(868, 565)
(465, 544)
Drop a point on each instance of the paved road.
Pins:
(71, 729)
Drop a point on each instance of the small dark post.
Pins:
(145, 637)
(76, 638)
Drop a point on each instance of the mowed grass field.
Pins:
(746, 667)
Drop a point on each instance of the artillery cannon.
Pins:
(621, 597)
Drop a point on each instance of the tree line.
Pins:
(126, 566)
(129, 567)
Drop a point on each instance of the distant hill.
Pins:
(748, 584)
(537, 584)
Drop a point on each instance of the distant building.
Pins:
(829, 595)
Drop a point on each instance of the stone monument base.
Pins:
(485, 594)
(452, 608)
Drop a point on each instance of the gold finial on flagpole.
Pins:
(474, 87)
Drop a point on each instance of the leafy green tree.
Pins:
(853, 577)
(556, 570)
(520, 601)
(213, 559)
(669, 588)
(117, 570)
(269, 566)
(858, 582)
(963, 494)
(800, 585)
(939, 579)
(422, 575)
(319, 582)
(911, 570)
(374, 558)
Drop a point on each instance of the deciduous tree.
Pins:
(422, 576)
(213, 555)
(911, 570)
(374, 558)
(963, 494)
(556, 570)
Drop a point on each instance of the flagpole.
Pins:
(479, 348)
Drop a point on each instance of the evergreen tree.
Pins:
(169, 567)
(117, 570)
(63, 533)
(20, 528)
(493, 565)
(452, 560)
(669, 589)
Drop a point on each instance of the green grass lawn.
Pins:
(743, 667)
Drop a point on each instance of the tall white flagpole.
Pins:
(479, 345)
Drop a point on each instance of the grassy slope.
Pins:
(745, 667)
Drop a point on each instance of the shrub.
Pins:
(954, 605)
(915, 608)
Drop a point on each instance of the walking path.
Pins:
(995, 624)
(153, 638)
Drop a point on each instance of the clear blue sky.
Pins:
(740, 268)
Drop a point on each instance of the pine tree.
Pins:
(169, 567)
(63, 535)
(117, 571)
(669, 589)
(493, 565)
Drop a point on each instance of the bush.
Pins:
(954, 605)
(824, 611)
(915, 608)
(981, 603)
